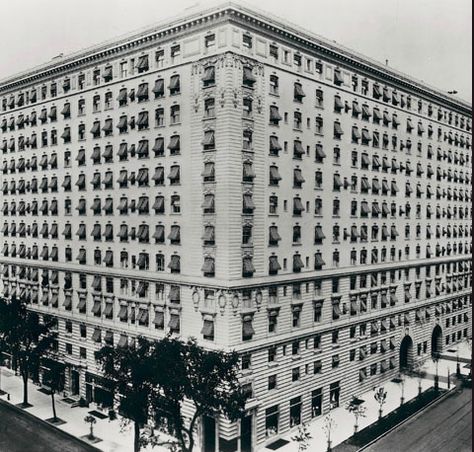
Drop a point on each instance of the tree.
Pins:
(356, 407)
(129, 370)
(302, 437)
(328, 426)
(25, 337)
(208, 379)
(91, 420)
(54, 379)
(380, 396)
(419, 372)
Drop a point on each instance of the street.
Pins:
(444, 427)
(21, 433)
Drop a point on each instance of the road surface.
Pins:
(19, 432)
(445, 427)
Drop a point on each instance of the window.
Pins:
(274, 85)
(209, 108)
(174, 85)
(334, 394)
(295, 374)
(247, 41)
(272, 415)
(210, 41)
(174, 114)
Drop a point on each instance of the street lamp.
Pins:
(435, 359)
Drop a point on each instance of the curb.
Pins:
(50, 426)
(432, 403)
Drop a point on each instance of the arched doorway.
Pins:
(436, 340)
(406, 353)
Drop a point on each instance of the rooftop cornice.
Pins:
(244, 15)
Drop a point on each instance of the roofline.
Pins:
(291, 31)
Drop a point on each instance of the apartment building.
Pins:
(226, 176)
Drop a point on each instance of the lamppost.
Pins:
(435, 359)
(449, 380)
(402, 387)
(2, 392)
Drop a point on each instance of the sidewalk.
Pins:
(110, 432)
(116, 439)
(344, 427)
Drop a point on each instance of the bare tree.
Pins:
(380, 396)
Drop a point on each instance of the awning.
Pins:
(208, 138)
(123, 312)
(247, 265)
(274, 174)
(337, 129)
(208, 234)
(318, 233)
(142, 91)
(67, 302)
(142, 63)
(143, 315)
(376, 91)
(95, 128)
(273, 264)
(298, 148)
(406, 318)
(159, 319)
(297, 205)
(274, 145)
(174, 173)
(109, 308)
(208, 266)
(175, 264)
(122, 95)
(297, 263)
(96, 308)
(298, 176)
(336, 308)
(209, 170)
(96, 335)
(142, 120)
(374, 327)
(142, 149)
(248, 203)
(274, 114)
(366, 135)
(209, 74)
(174, 83)
(355, 133)
(208, 203)
(248, 76)
(247, 328)
(174, 234)
(173, 323)
(123, 341)
(82, 304)
(362, 352)
(174, 143)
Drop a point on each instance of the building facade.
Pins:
(228, 177)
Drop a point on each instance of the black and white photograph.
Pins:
(236, 226)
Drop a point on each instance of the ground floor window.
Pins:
(271, 420)
(295, 411)
(317, 402)
(334, 392)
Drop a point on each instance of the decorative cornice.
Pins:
(260, 22)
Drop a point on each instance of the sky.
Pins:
(427, 39)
